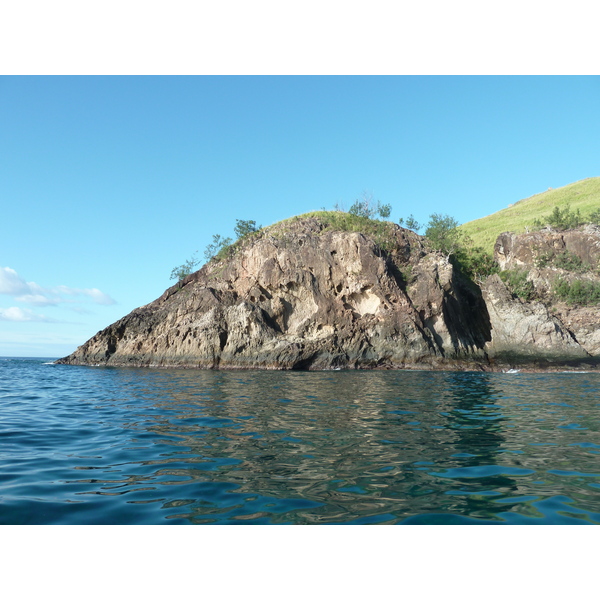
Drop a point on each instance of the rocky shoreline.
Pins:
(302, 295)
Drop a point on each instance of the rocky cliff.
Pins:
(548, 257)
(305, 295)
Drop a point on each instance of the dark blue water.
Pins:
(81, 445)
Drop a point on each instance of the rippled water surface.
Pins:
(82, 445)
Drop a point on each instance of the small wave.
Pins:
(512, 371)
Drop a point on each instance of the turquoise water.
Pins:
(81, 445)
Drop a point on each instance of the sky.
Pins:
(108, 183)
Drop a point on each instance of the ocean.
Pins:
(85, 445)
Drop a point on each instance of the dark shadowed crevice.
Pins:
(305, 363)
(222, 340)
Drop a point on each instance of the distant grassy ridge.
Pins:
(583, 195)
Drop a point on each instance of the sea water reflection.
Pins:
(330, 447)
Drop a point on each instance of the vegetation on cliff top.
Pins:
(582, 196)
(442, 235)
(468, 246)
(336, 220)
(219, 248)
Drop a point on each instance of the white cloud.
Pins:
(14, 313)
(12, 284)
(94, 293)
(37, 300)
(99, 297)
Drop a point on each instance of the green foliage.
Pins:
(407, 274)
(570, 262)
(385, 210)
(187, 268)
(475, 262)
(516, 280)
(583, 195)
(368, 208)
(362, 209)
(560, 219)
(244, 228)
(410, 223)
(594, 217)
(543, 260)
(218, 247)
(578, 292)
(443, 233)
(381, 232)
(564, 260)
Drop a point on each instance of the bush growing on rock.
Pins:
(218, 247)
(475, 262)
(577, 292)
(384, 210)
(517, 283)
(443, 233)
(560, 219)
(244, 228)
(368, 208)
(187, 268)
(564, 260)
(410, 223)
(570, 262)
(594, 217)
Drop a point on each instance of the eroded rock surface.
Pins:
(526, 331)
(300, 295)
(524, 250)
(303, 296)
(536, 253)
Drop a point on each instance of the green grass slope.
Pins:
(583, 195)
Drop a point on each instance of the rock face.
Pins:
(302, 295)
(525, 332)
(523, 250)
(547, 329)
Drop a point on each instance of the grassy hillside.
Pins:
(583, 195)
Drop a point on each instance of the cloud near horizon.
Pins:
(12, 284)
(20, 315)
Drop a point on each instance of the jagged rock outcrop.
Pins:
(303, 295)
(524, 250)
(526, 332)
(547, 327)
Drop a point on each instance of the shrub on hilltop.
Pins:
(368, 208)
(561, 219)
(442, 235)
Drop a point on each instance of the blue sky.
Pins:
(107, 183)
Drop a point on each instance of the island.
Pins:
(333, 290)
